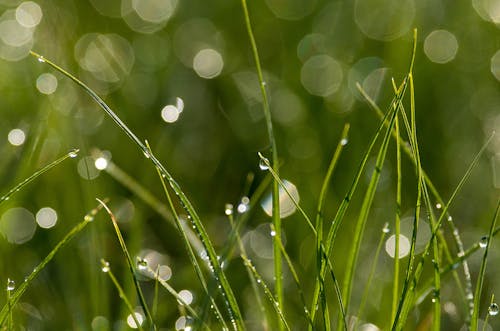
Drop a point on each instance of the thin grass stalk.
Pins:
(342, 209)
(320, 217)
(397, 224)
(18, 292)
(373, 269)
(363, 215)
(191, 254)
(275, 161)
(131, 264)
(453, 265)
(253, 281)
(107, 269)
(408, 151)
(71, 154)
(296, 280)
(260, 281)
(230, 300)
(482, 272)
(408, 293)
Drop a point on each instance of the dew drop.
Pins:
(273, 233)
(483, 242)
(344, 141)
(244, 205)
(386, 228)
(88, 218)
(11, 285)
(493, 309)
(142, 264)
(228, 209)
(72, 154)
(41, 59)
(450, 218)
(438, 205)
(105, 266)
(263, 164)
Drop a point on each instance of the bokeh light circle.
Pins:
(441, 46)
(108, 57)
(46, 217)
(208, 63)
(291, 9)
(321, 75)
(29, 14)
(384, 20)
(495, 65)
(16, 137)
(17, 225)
(46, 83)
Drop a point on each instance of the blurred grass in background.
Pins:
(181, 75)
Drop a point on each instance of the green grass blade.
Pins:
(364, 212)
(482, 271)
(131, 264)
(406, 300)
(198, 226)
(71, 154)
(397, 224)
(275, 161)
(17, 294)
(107, 269)
(191, 254)
(337, 221)
(267, 291)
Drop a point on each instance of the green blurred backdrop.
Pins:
(181, 75)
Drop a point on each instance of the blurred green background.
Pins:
(181, 75)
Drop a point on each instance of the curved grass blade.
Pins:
(130, 264)
(191, 253)
(408, 294)
(71, 154)
(482, 271)
(198, 226)
(16, 295)
(275, 161)
(106, 269)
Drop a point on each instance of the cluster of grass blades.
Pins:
(329, 305)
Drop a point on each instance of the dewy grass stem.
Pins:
(278, 272)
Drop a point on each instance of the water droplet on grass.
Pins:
(483, 242)
(41, 59)
(344, 141)
(244, 205)
(493, 309)
(438, 206)
(11, 285)
(450, 218)
(273, 233)
(142, 264)
(228, 209)
(105, 266)
(263, 164)
(74, 153)
(88, 218)
(386, 228)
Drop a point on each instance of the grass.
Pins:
(324, 302)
